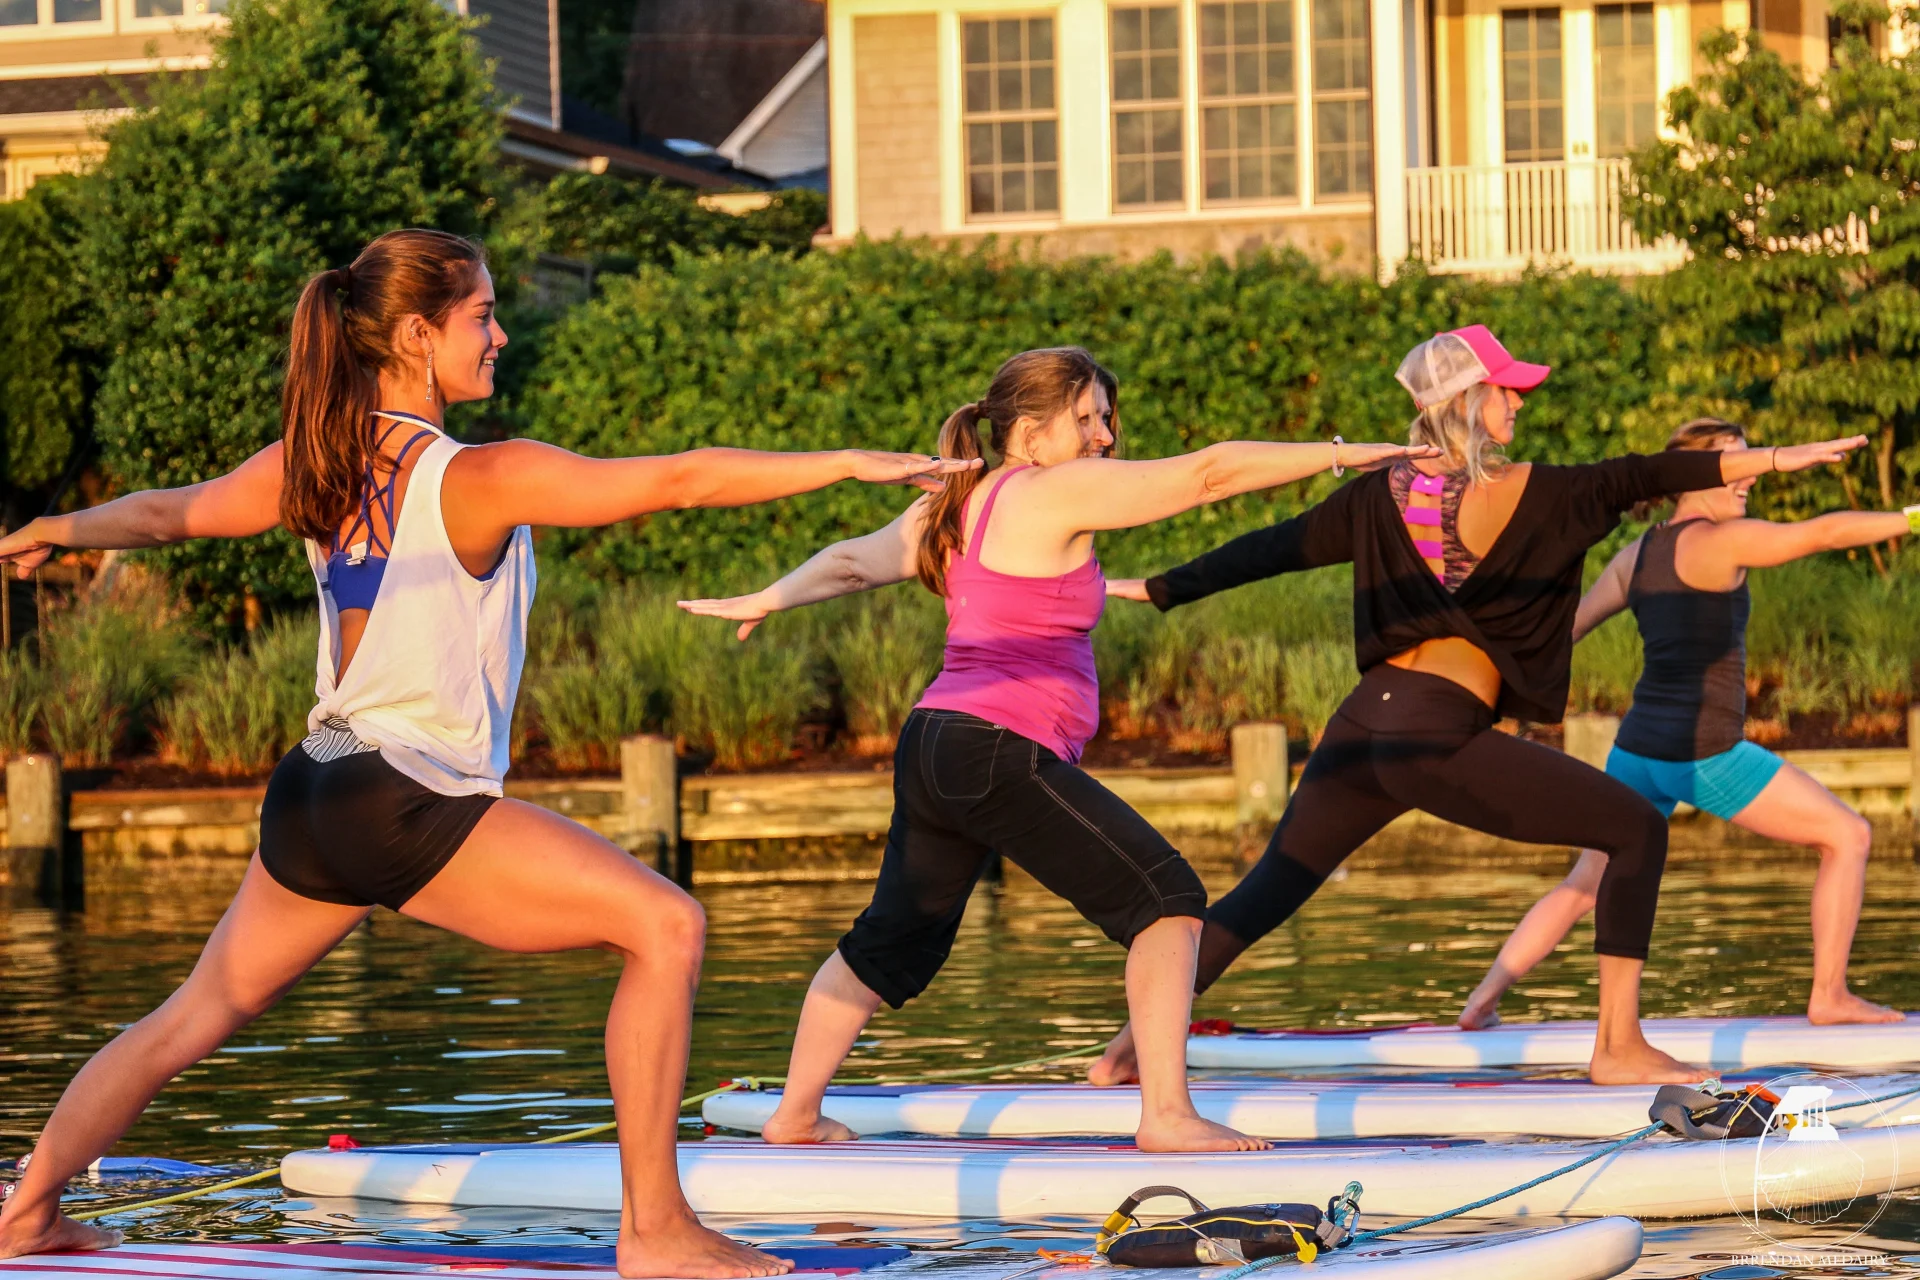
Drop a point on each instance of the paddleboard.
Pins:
(1717, 1043)
(1289, 1109)
(992, 1178)
(1584, 1251)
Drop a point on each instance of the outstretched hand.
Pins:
(1371, 456)
(25, 549)
(922, 471)
(1799, 457)
(749, 611)
(1128, 589)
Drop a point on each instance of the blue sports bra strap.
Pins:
(986, 511)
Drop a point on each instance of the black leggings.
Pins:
(1407, 740)
(964, 788)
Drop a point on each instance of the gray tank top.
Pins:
(1691, 701)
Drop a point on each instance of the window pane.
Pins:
(1219, 178)
(979, 144)
(1040, 39)
(1129, 27)
(1166, 181)
(1625, 89)
(1045, 142)
(1532, 80)
(1213, 75)
(1046, 190)
(1213, 25)
(1165, 83)
(1013, 142)
(979, 90)
(1280, 69)
(1609, 26)
(1148, 146)
(1013, 191)
(1009, 86)
(1006, 41)
(1130, 134)
(978, 39)
(90, 10)
(1130, 182)
(1129, 81)
(1040, 88)
(151, 8)
(1216, 133)
(1166, 132)
(19, 13)
(980, 192)
(1163, 28)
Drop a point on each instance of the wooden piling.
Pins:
(41, 852)
(1913, 786)
(1260, 781)
(1589, 738)
(650, 794)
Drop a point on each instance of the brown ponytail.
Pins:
(1035, 385)
(1694, 434)
(345, 330)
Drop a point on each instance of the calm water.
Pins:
(408, 1034)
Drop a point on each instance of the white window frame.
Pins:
(1000, 220)
(1302, 111)
(116, 18)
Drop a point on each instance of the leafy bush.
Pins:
(618, 223)
(245, 706)
(318, 125)
(23, 688)
(743, 702)
(1319, 675)
(50, 370)
(875, 345)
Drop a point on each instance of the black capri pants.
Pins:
(964, 788)
(1408, 740)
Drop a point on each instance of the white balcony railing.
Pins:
(1500, 218)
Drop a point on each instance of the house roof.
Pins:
(764, 112)
(41, 96)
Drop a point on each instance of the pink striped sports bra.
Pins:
(1430, 505)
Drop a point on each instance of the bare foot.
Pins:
(784, 1130)
(1482, 1011)
(1640, 1064)
(1192, 1133)
(1827, 1011)
(61, 1234)
(1118, 1065)
(681, 1247)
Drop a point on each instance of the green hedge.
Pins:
(875, 345)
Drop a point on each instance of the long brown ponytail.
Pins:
(344, 332)
(1035, 385)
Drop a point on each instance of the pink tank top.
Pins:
(1020, 650)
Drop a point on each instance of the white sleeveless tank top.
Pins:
(433, 682)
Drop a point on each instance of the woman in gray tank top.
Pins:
(1685, 737)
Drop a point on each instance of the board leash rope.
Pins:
(743, 1082)
(1363, 1237)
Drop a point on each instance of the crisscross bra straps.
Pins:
(1430, 505)
(357, 559)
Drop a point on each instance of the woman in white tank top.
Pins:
(421, 551)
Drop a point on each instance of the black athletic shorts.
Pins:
(964, 788)
(357, 831)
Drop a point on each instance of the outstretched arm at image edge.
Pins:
(1761, 544)
(876, 559)
(240, 504)
(1319, 536)
(1608, 594)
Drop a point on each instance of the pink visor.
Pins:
(1502, 370)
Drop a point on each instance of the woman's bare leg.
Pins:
(530, 880)
(1534, 938)
(1621, 1054)
(1160, 967)
(266, 941)
(837, 1008)
(1795, 809)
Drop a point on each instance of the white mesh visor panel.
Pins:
(1439, 369)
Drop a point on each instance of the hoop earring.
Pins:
(429, 374)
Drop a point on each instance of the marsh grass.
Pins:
(23, 688)
(1606, 666)
(743, 702)
(107, 661)
(1234, 679)
(1319, 674)
(243, 707)
(885, 646)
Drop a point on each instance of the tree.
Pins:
(49, 373)
(1800, 202)
(318, 125)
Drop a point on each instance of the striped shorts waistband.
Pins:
(333, 740)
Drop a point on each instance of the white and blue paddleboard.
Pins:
(1278, 1109)
(1657, 1177)
(1585, 1251)
(1712, 1043)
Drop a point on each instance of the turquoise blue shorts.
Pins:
(1722, 785)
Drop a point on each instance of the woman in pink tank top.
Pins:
(988, 760)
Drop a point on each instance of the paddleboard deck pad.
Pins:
(1584, 1251)
(1719, 1043)
(1281, 1109)
(989, 1178)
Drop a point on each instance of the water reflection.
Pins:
(408, 1034)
